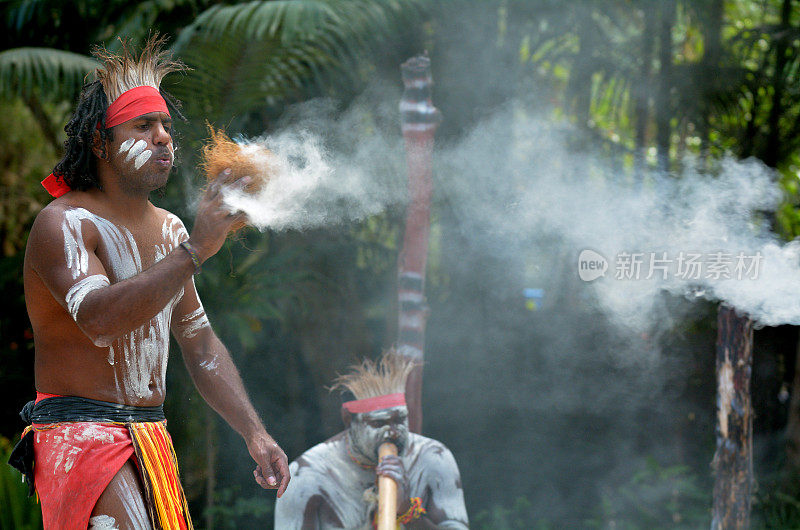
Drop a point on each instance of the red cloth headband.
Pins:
(387, 401)
(131, 104)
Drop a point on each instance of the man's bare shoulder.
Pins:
(162, 213)
(53, 214)
(430, 454)
(48, 226)
(324, 452)
(170, 223)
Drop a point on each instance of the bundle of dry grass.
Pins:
(372, 379)
(243, 159)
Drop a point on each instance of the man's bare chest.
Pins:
(126, 251)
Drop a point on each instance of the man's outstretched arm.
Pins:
(216, 377)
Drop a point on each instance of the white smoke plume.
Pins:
(515, 180)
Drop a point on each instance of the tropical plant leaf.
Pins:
(258, 54)
(53, 74)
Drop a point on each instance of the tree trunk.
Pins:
(772, 148)
(712, 39)
(733, 460)
(663, 101)
(791, 472)
(642, 93)
(419, 121)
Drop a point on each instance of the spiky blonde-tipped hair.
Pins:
(122, 72)
(376, 378)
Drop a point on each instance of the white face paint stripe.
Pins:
(137, 148)
(142, 158)
(126, 145)
(78, 292)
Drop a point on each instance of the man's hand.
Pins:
(213, 221)
(272, 466)
(391, 466)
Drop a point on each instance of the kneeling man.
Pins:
(333, 483)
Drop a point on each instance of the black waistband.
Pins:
(71, 408)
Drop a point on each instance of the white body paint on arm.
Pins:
(192, 323)
(78, 292)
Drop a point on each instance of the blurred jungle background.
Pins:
(557, 416)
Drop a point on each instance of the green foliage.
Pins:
(19, 512)
(788, 215)
(248, 56)
(261, 285)
(520, 516)
(55, 74)
(773, 508)
(656, 497)
(25, 159)
(232, 510)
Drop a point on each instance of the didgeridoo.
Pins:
(387, 493)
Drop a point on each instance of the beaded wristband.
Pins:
(193, 254)
(415, 511)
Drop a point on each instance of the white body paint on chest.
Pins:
(140, 355)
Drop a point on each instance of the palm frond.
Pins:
(229, 80)
(256, 54)
(53, 74)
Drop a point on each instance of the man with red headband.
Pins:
(108, 276)
(333, 483)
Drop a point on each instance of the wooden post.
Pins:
(419, 121)
(733, 460)
(387, 493)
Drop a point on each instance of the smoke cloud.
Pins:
(518, 185)
(327, 170)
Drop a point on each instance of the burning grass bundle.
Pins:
(244, 160)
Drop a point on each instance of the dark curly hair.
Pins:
(78, 167)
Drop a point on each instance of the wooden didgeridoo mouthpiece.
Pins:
(387, 493)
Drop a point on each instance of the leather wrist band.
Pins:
(193, 254)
